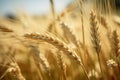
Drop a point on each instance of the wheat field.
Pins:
(80, 43)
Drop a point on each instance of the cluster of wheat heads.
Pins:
(90, 51)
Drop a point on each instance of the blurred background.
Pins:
(31, 6)
(35, 6)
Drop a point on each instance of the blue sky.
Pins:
(31, 6)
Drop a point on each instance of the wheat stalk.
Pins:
(80, 2)
(105, 6)
(52, 28)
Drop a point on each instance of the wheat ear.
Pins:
(13, 69)
(59, 45)
(62, 67)
(116, 47)
(95, 37)
(115, 43)
(4, 29)
(94, 32)
(35, 53)
(70, 37)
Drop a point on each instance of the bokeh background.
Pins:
(31, 6)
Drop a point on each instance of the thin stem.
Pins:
(82, 20)
(83, 67)
(83, 34)
(82, 24)
(98, 54)
(52, 8)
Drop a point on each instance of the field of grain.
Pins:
(80, 43)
